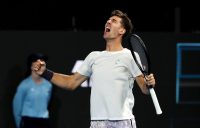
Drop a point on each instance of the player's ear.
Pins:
(122, 31)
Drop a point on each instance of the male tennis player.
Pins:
(112, 71)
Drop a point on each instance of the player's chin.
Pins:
(104, 35)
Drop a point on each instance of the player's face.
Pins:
(113, 28)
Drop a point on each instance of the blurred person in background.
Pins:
(32, 97)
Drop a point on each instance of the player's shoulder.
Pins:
(95, 53)
(126, 50)
(126, 54)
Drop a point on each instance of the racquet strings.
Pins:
(140, 54)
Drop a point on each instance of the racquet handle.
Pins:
(155, 101)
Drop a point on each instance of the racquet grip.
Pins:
(155, 101)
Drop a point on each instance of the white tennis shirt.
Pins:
(112, 75)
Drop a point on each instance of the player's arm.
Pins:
(64, 81)
(70, 82)
(145, 82)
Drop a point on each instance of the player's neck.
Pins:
(114, 47)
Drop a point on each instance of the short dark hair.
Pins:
(126, 21)
(32, 58)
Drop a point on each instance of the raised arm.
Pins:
(69, 82)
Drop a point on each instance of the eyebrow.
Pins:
(113, 19)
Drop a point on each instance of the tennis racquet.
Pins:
(141, 57)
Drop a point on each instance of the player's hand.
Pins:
(150, 80)
(39, 66)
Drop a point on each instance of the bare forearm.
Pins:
(143, 86)
(62, 80)
(69, 82)
(145, 83)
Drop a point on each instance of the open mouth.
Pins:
(107, 29)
